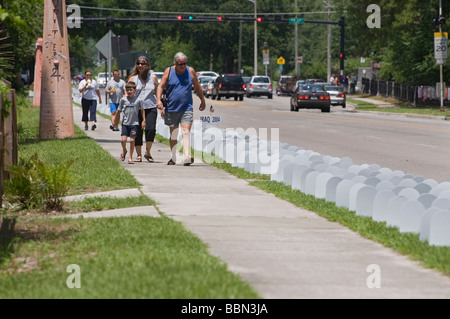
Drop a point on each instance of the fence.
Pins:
(8, 134)
(416, 95)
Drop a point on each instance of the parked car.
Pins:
(209, 88)
(259, 85)
(102, 79)
(286, 84)
(337, 94)
(228, 85)
(310, 96)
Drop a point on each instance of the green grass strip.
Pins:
(133, 257)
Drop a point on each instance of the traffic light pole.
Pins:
(441, 66)
(276, 19)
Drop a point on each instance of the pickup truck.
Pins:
(229, 85)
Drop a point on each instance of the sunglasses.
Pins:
(141, 63)
(181, 64)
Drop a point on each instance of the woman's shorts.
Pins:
(173, 119)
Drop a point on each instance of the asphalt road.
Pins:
(414, 145)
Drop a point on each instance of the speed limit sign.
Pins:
(440, 47)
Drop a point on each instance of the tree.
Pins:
(23, 25)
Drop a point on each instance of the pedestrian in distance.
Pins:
(89, 90)
(354, 81)
(146, 82)
(116, 89)
(130, 106)
(332, 78)
(178, 81)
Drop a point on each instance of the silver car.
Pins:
(259, 85)
(337, 94)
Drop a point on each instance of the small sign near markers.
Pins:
(211, 119)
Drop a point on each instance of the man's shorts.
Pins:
(173, 119)
(113, 107)
(129, 130)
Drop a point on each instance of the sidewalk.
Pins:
(283, 251)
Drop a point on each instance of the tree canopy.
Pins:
(403, 45)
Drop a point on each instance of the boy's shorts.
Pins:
(173, 119)
(129, 130)
(113, 107)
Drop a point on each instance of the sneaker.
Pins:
(111, 128)
(170, 162)
(116, 129)
(94, 127)
(86, 127)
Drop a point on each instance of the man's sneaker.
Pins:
(86, 127)
(116, 128)
(111, 128)
(94, 127)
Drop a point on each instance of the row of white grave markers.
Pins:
(411, 203)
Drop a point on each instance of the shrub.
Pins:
(35, 184)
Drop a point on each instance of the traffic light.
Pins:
(179, 17)
(439, 21)
(220, 18)
(191, 18)
(260, 19)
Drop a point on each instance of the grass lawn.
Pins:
(132, 257)
(400, 106)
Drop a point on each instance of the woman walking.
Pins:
(146, 85)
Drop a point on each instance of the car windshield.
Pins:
(204, 81)
(310, 88)
(204, 78)
(261, 80)
(232, 79)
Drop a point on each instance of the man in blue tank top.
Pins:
(178, 81)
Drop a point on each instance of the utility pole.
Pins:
(256, 42)
(296, 42)
(240, 48)
(329, 46)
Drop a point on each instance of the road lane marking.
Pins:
(427, 145)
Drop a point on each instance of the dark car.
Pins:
(228, 85)
(311, 96)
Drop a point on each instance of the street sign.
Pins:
(281, 60)
(103, 45)
(440, 47)
(296, 20)
(299, 59)
(266, 60)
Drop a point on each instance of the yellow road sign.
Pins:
(281, 60)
